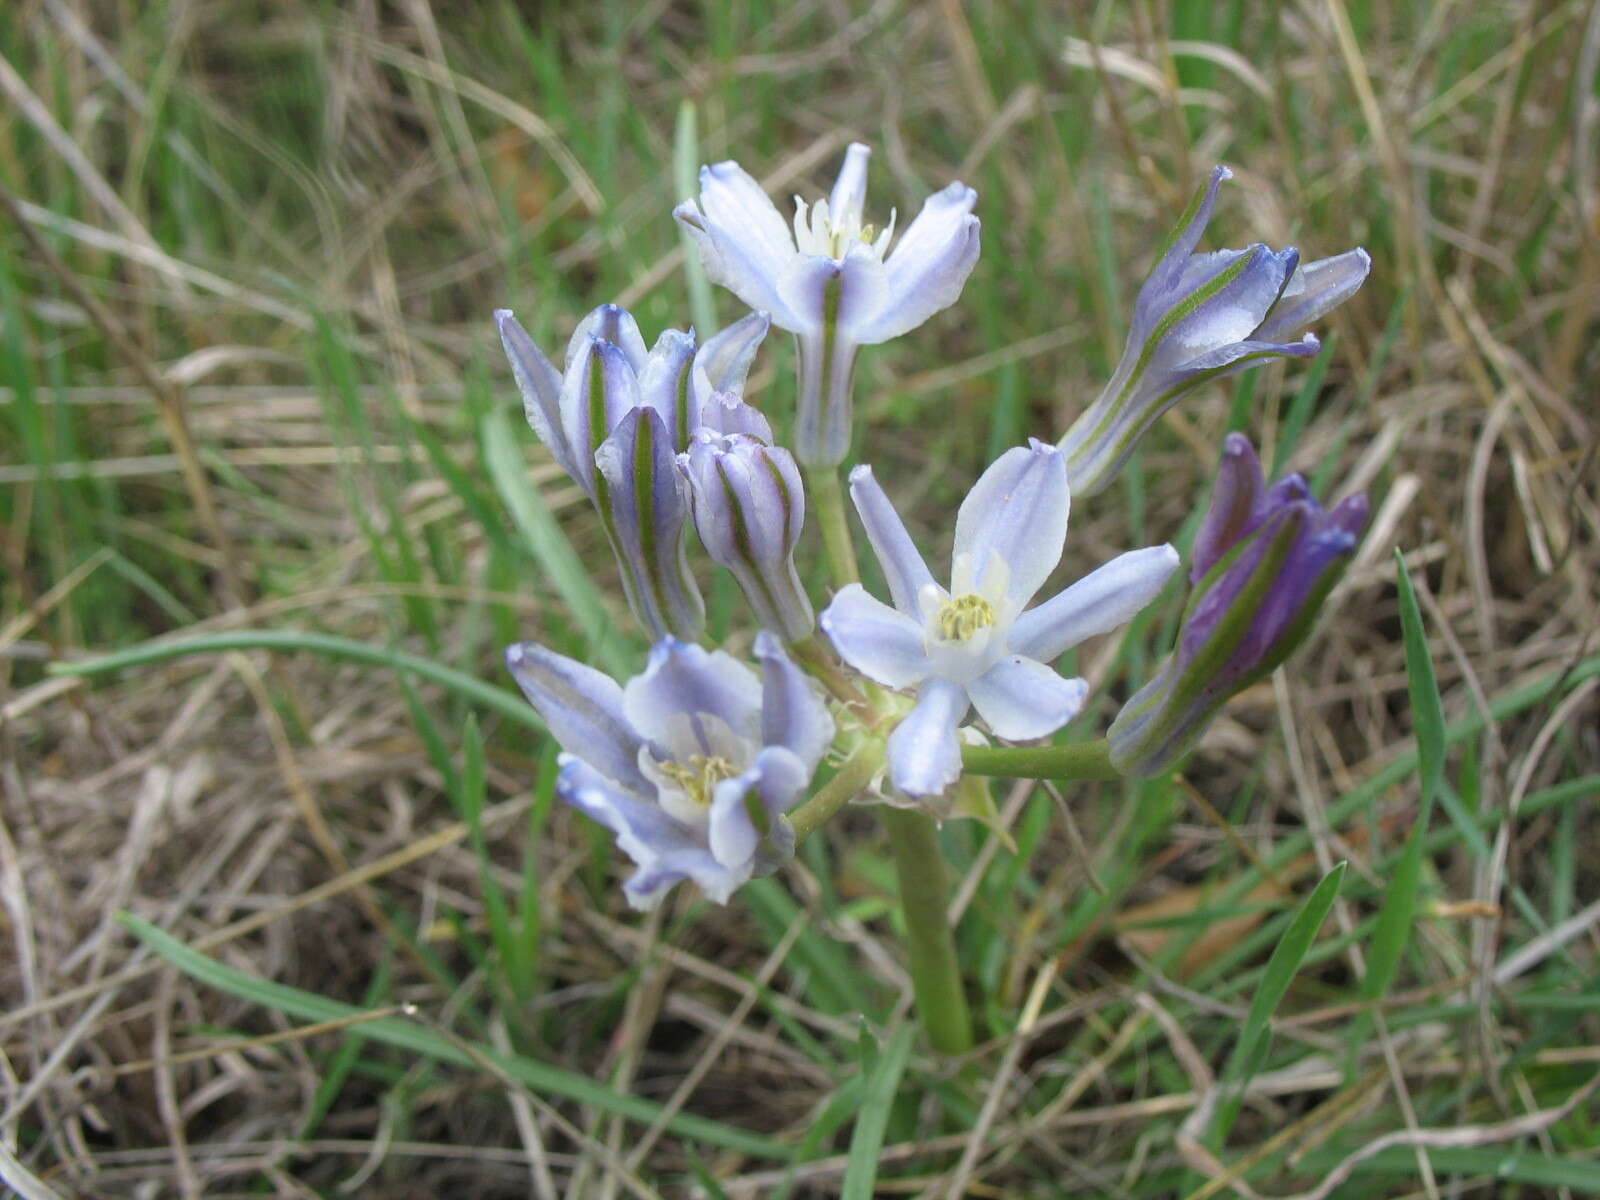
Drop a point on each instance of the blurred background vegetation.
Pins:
(256, 433)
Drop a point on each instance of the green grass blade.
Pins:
(549, 546)
(407, 1035)
(1393, 929)
(507, 704)
(686, 185)
(1250, 1051)
(862, 1171)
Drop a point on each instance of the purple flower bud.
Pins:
(692, 765)
(1200, 316)
(1264, 561)
(615, 419)
(749, 507)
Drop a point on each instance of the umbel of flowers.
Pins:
(707, 772)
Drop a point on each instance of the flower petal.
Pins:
(1184, 238)
(540, 385)
(743, 240)
(1234, 501)
(724, 414)
(1021, 698)
(647, 507)
(927, 268)
(903, 565)
(610, 323)
(685, 680)
(1016, 514)
(849, 196)
(665, 383)
(924, 751)
(881, 643)
(583, 708)
(599, 389)
(1313, 291)
(1097, 603)
(665, 850)
(793, 713)
(722, 364)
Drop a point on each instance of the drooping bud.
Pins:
(749, 507)
(1264, 561)
(1200, 316)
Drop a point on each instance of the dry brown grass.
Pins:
(251, 794)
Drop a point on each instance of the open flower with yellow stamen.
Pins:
(830, 278)
(973, 645)
(692, 764)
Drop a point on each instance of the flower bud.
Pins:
(1264, 561)
(1200, 316)
(749, 507)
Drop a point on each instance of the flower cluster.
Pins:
(704, 770)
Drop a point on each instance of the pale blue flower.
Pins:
(973, 645)
(830, 279)
(1199, 316)
(692, 765)
(1264, 561)
(749, 507)
(615, 420)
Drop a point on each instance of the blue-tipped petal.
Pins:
(743, 240)
(849, 196)
(540, 385)
(685, 680)
(903, 565)
(583, 709)
(647, 513)
(599, 389)
(665, 383)
(665, 850)
(1021, 698)
(723, 363)
(1015, 519)
(927, 268)
(1315, 290)
(924, 751)
(883, 644)
(1234, 502)
(615, 325)
(1101, 601)
(793, 714)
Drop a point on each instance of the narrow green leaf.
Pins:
(1393, 928)
(417, 1038)
(1251, 1049)
(686, 186)
(1427, 712)
(507, 704)
(861, 1173)
(502, 457)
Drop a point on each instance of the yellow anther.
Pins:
(700, 777)
(962, 617)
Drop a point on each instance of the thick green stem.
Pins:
(847, 783)
(925, 899)
(1076, 760)
(827, 501)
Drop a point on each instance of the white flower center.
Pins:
(834, 235)
(964, 629)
